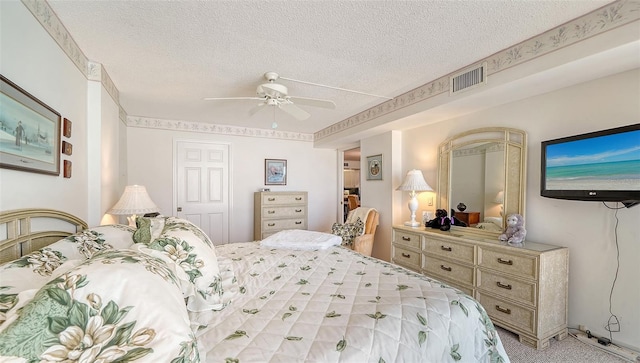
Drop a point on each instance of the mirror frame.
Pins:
(515, 165)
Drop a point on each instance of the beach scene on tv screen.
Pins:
(610, 162)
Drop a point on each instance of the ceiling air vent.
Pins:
(468, 79)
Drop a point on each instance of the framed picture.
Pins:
(66, 128)
(31, 130)
(374, 167)
(67, 169)
(275, 172)
(67, 148)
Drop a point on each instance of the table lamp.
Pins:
(135, 200)
(414, 182)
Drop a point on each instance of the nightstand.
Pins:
(469, 218)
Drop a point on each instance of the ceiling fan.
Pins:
(276, 94)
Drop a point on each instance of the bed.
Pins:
(164, 293)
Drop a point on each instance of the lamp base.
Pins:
(412, 224)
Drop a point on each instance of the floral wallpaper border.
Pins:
(201, 127)
(609, 17)
(598, 21)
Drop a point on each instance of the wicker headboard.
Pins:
(25, 230)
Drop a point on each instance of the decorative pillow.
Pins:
(190, 251)
(148, 229)
(348, 231)
(118, 306)
(84, 244)
(32, 271)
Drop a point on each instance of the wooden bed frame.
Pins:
(25, 230)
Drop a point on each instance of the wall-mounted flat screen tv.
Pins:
(597, 166)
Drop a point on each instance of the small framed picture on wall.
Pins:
(374, 167)
(275, 172)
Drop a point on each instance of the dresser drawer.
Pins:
(510, 314)
(280, 212)
(273, 199)
(279, 224)
(450, 250)
(503, 261)
(407, 239)
(521, 291)
(433, 266)
(405, 257)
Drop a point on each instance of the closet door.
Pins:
(202, 187)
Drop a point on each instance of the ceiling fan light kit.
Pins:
(277, 95)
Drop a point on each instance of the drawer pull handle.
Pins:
(298, 210)
(508, 287)
(406, 255)
(271, 212)
(298, 222)
(505, 262)
(271, 224)
(503, 310)
(445, 268)
(405, 238)
(298, 198)
(271, 199)
(448, 249)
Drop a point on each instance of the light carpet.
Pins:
(568, 350)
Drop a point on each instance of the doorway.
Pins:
(351, 180)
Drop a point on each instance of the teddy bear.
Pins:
(441, 221)
(515, 232)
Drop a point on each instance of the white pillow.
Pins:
(299, 239)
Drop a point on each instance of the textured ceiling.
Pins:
(166, 56)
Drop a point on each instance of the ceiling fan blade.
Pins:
(294, 111)
(255, 109)
(315, 102)
(337, 88)
(232, 98)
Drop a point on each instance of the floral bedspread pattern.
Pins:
(118, 306)
(338, 306)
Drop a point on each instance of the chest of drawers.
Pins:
(277, 211)
(523, 289)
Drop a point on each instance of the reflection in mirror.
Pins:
(477, 179)
(481, 178)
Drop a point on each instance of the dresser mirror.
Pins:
(481, 178)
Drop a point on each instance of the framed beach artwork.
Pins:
(29, 131)
(275, 172)
(374, 167)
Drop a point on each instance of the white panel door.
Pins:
(202, 187)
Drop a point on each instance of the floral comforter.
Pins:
(336, 305)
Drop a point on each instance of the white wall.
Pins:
(380, 194)
(32, 60)
(586, 228)
(150, 163)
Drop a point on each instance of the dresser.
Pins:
(277, 211)
(523, 289)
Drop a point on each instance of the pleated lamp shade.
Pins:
(134, 200)
(414, 182)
